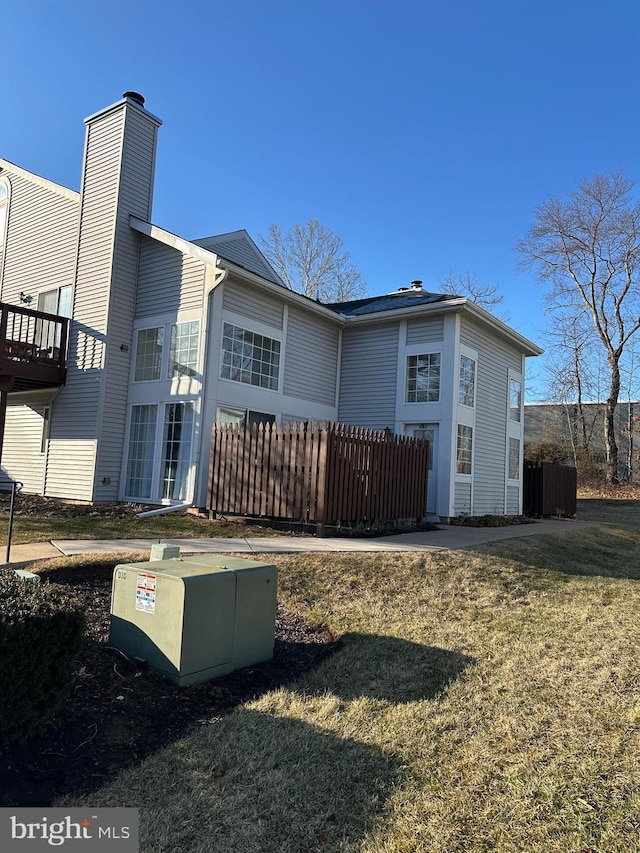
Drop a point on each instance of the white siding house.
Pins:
(169, 336)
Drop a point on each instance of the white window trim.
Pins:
(157, 449)
(417, 350)
(249, 325)
(165, 321)
(515, 429)
(473, 356)
(465, 415)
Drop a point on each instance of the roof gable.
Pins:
(240, 249)
(11, 168)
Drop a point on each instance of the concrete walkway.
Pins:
(444, 538)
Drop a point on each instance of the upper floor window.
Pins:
(467, 386)
(183, 350)
(149, 354)
(59, 301)
(423, 378)
(250, 358)
(515, 400)
(182, 355)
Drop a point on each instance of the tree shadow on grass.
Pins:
(270, 782)
(286, 776)
(387, 668)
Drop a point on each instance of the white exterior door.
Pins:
(430, 432)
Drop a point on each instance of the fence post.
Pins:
(321, 507)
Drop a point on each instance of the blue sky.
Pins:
(424, 133)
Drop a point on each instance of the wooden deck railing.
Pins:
(330, 474)
(32, 345)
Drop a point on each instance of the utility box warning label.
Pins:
(146, 593)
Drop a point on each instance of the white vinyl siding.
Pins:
(40, 243)
(168, 280)
(22, 456)
(369, 376)
(513, 500)
(311, 362)
(462, 498)
(88, 418)
(495, 359)
(248, 301)
(425, 330)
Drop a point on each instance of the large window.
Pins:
(514, 458)
(159, 459)
(181, 358)
(423, 378)
(464, 449)
(176, 450)
(149, 354)
(183, 351)
(142, 436)
(250, 358)
(467, 385)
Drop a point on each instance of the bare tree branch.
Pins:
(587, 249)
(312, 260)
(468, 284)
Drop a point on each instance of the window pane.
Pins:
(65, 304)
(183, 350)
(467, 387)
(141, 449)
(464, 449)
(515, 400)
(250, 358)
(176, 447)
(149, 354)
(514, 458)
(423, 378)
(226, 415)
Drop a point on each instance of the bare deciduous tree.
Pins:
(312, 260)
(468, 284)
(587, 248)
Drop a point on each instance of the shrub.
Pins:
(41, 629)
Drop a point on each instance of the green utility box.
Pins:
(195, 618)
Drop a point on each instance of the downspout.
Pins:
(214, 276)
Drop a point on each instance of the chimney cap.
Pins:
(416, 284)
(136, 97)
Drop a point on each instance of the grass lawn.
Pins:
(40, 520)
(484, 700)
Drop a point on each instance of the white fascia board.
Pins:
(178, 243)
(457, 305)
(118, 104)
(11, 168)
(284, 293)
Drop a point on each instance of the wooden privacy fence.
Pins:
(549, 489)
(318, 474)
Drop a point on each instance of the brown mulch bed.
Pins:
(117, 713)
